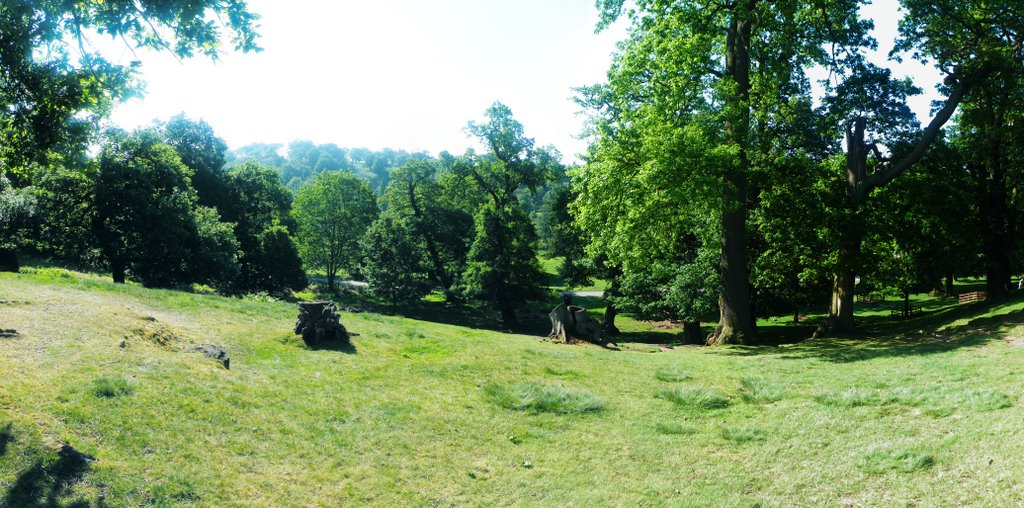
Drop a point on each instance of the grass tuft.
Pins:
(675, 429)
(854, 397)
(562, 372)
(108, 388)
(743, 434)
(698, 398)
(530, 396)
(881, 460)
(671, 375)
(758, 390)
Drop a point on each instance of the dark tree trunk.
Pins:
(609, 320)
(117, 270)
(9, 260)
(508, 316)
(736, 324)
(691, 333)
(330, 281)
(949, 284)
(796, 315)
(859, 185)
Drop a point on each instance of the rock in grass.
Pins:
(218, 353)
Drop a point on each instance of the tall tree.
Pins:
(260, 206)
(445, 231)
(717, 74)
(503, 266)
(203, 152)
(333, 212)
(147, 220)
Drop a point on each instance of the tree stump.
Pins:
(572, 322)
(318, 321)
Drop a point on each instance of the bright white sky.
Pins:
(404, 74)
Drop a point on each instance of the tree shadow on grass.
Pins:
(334, 345)
(6, 436)
(917, 337)
(49, 483)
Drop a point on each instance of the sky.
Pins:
(407, 74)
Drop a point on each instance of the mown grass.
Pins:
(420, 413)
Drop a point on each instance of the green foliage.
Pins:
(394, 261)
(540, 398)
(202, 152)
(57, 87)
(434, 216)
(260, 206)
(333, 212)
(66, 214)
(147, 220)
(503, 267)
(214, 258)
(17, 207)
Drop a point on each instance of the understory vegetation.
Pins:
(105, 406)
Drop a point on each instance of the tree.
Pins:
(503, 267)
(56, 87)
(394, 263)
(260, 206)
(718, 76)
(147, 220)
(16, 210)
(981, 44)
(65, 215)
(333, 212)
(445, 231)
(203, 152)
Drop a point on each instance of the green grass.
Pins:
(882, 460)
(529, 396)
(107, 388)
(695, 398)
(671, 375)
(418, 412)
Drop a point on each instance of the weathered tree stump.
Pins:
(318, 321)
(572, 322)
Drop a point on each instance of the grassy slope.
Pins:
(402, 418)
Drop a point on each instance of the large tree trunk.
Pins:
(996, 241)
(9, 260)
(736, 324)
(117, 270)
(609, 320)
(508, 316)
(859, 185)
(691, 333)
(949, 284)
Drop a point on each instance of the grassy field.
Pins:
(924, 412)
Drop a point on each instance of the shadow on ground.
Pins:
(50, 481)
(924, 335)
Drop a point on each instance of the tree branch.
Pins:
(884, 176)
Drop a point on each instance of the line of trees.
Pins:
(709, 145)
